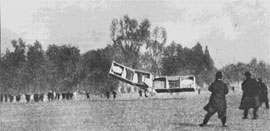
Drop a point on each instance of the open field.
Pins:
(128, 112)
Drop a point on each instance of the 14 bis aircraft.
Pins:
(145, 81)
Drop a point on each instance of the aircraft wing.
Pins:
(131, 76)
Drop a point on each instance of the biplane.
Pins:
(145, 80)
(172, 84)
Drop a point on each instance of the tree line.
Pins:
(30, 69)
(259, 69)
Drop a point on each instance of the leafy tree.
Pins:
(259, 69)
(155, 48)
(129, 36)
(169, 60)
(185, 61)
(263, 72)
(234, 72)
(53, 67)
(36, 69)
(70, 57)
(96, 65)
(4, 77)
(63, 69)
(14, 63)
(209, 63)
(208, 73)
(197, 60)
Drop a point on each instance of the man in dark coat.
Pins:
(250, 97)
(217, 102)
(50, 95)
(2, 97)
(264, 93)
(27, 97)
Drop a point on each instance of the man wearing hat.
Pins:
(264, 93)
(217, 102)
(250, 97)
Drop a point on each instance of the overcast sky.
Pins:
(233, 30)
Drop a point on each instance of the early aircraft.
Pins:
(146, 82)
(172, 84)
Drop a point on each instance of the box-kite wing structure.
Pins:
(171, 84)
(131, 76)
(145, 81)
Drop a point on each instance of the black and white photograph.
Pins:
(135, 65)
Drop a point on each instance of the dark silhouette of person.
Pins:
(264, 93)
(114, 94)
(108, 95)
(50, 96)
(250, 97)
(87, 95)
(18, 98)
(2, 97)
(67, 96)
(6, 97)
(27, 97)
(57, 96)
(140, 92)
(36, 97)
(217, 102)
(64, 96)
(11, 97)
(233, 88)
(41, 97)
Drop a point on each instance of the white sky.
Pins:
(233, 30)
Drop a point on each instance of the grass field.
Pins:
(182, 112)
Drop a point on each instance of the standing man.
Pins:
(264, 93)
(140, 92)
(217, 102)
(250, 97)
(114, 94)
(233, 88)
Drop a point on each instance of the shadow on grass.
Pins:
(185, 124)
(191, 125)
(150, 99)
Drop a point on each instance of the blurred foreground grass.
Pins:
(164, 112)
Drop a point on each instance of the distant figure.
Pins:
(57, 96)
(264, 93)
(233, 88)
(50, 96)
(2, 97)
(36, 97)
(6, 97)
(64, 96)
(140, 92)
(250, 97)
(18, 98)
(217, 102)
(68, 96)
(87, 95)
(199, 91)
(11, 97)
(114, 94)
(27, 97)
(41, 97)
(71, 96)
(108, 94)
